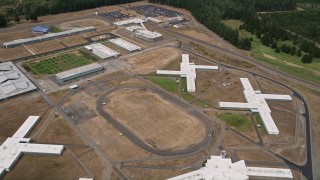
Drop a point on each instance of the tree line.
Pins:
(31, 11)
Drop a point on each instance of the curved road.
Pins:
(136, 140)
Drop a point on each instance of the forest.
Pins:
(31, 10)
(268, 30)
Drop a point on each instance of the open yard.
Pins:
(151, 61)
(240, 122)
(60, 63)
(159, 123)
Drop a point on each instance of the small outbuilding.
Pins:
(41, 29)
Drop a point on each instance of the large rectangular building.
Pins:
(102, 51)
(78, 72)
(47, 37)
(13, 82)
(125, 44)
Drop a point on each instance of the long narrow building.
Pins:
(218, 168)
(188, 71)
(256, 103)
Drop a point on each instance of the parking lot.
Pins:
(115, 15)
(154, 11)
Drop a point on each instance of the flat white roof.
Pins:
(220, 168)
(13, 81)
(129, 21)
(154, 20)
(102, 51)
(188, 70)
(148, 34)
(256, 102)
(15, 146)
(77, 71)
(125, 44)
(49, 36)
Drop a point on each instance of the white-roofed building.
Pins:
(18, 144)
(218, 168)
(102, 51)
(47, 37)
(137, 28)
(129, 22)
(187, 70)
(78, 72)
(12, 81)
(256, 103)
(125, 44)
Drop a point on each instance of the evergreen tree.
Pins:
(299, 53)
(3, 21)
(274, 45)
(17, 19)
(307, 59)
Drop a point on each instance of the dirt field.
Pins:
(5, 37)
(50, 167)
(151, 61)
(45, 46)
(15, 111)
(72, 40)
(83, 23)
(13, 53)
(158, 122)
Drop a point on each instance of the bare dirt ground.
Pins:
(151, 61)
(5, 37)
(147, 174)
(83, 23)
(45, 46)
(158, 122)
(16, 110)
(50, 167)
(72, 40)
(13, 53)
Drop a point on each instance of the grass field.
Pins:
(282, 61)
(170, 84)
(262, 129)
(54, 29)
(167, 83)
(240, 122)
(60, 63)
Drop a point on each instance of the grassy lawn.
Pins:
(60, 63)
(240, 122)
(170, 84)
(262, 129)
(282, 61)
(167, 83)
(184, 93)
(54, 29)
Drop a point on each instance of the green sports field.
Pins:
(60, 63)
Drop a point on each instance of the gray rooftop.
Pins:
(12, 81)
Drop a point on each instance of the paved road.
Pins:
(139, 142)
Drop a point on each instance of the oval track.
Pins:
(139, 142)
